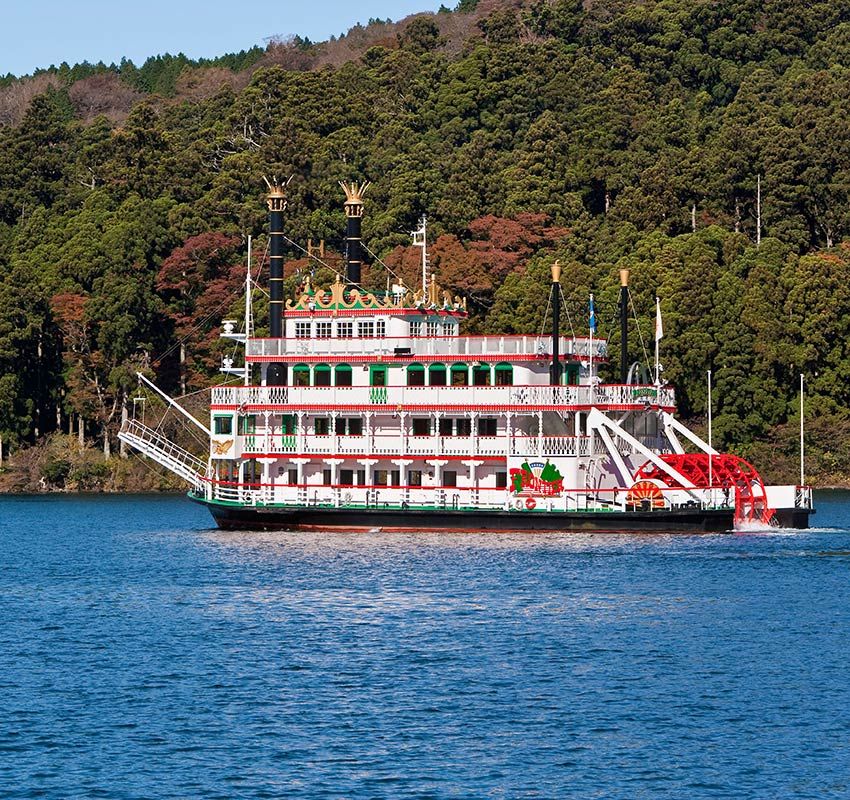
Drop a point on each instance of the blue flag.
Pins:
(592, 316)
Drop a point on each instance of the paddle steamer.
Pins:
(374, 410)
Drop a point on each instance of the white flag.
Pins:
(659, 328)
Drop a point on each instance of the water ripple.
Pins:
(145, 655)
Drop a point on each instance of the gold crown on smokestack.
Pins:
(354, 197)
(276, 198)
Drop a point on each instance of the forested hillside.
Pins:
(611, 134)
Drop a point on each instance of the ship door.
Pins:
(378, 383)
(571, 374)
(378, 375)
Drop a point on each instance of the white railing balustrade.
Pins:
(424, 446)
(448, 346)
(407, 396)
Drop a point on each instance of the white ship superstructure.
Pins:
(374, 409)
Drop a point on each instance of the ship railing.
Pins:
(552, 446)
(448, 346)
(803, 497)
(430, 445)
(630, 396)
(451, 497)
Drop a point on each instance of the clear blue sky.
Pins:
(37, 34)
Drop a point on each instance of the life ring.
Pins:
(347, 497)
(518, 505)
(530, 503)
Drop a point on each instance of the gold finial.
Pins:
(276, 198)
(624, 277)
(354, 197)
(556, 272)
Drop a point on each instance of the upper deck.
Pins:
(487, 348)
(497, 398)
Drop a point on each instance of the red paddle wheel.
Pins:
(729, 473)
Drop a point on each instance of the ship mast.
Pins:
(420, 239)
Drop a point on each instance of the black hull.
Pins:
(229, 517)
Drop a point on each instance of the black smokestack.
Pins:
(624, 325)
(276, 373)
(555, 370)
(353, 233)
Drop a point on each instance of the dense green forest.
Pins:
(612, 134)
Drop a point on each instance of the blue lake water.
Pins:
(144, 654)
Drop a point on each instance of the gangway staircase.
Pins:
(165, 452)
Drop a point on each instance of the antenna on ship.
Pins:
(420, 239)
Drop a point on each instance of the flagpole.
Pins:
(591, 339)
(592, 326)
(802, 450)
(658, 334)
(710, 445)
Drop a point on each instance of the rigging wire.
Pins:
(567, 311)
(383, 264)
(546, 314)
(637, 325)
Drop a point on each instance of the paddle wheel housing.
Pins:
(727, 472)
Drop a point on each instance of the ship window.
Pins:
(449, 328)
(434, 327)
(293, 477)
(302, 330)
(301, 375)
(414, 477)
(223, 426)
(361, 477)
(396, 477)
(322, 426)
(344, 330)
(416, 375)
(323, 330)
(248, 425)
(381, 328)
(416, 328)
(321, 375)
(287, 424)
(378, 376)
(501, 480)
(380, 477)
(437, 374)
(342, 373)
(504, 374)
(571, 374)
(326, 477)
(355, 426)
(450, 477)
(346, 477)
(486, 426)
(481, 375)
(460, 375)
(339, 426)
(366, 330)
(463, 427)
(445, 427)
(421, 426)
